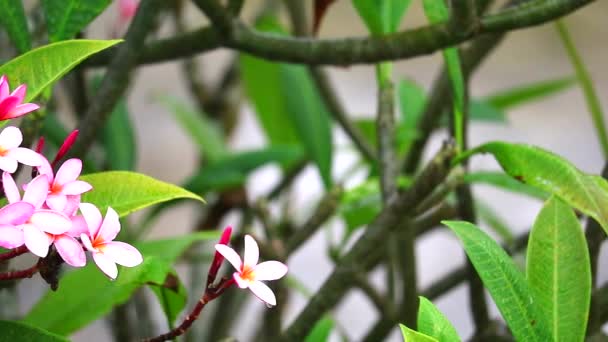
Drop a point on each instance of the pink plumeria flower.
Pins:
(249, 274)
(11, 216)
(99, 241)
(10, 103)
(11, 153)
(64, 188)
(127, 9)
(44, 227)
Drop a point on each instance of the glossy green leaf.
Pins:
(127, 192)
(119, 140)
(85, 294)
(13, 20)
(204, 133)
(433, 323)
(410, 335)
(506, 284)
(505, 182)
(321, 331)
(65, 18)
(383, 16)
(558, 270)
(553, 174)
(521, 94)
(40, 67)
(310, 116)
(19, 331)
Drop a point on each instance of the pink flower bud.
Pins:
(65, 147)
(218, 258)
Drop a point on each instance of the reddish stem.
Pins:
(13, 253)
(210, 294)
(27, 273)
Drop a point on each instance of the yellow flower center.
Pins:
(247, 273)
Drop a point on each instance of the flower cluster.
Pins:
(48, 212)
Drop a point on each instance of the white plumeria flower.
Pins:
(249, 273)
(11, 153)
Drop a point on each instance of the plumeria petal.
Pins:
(36, 240)
(10, 188)
(46, 169)
(79, 226)
(72, 206)
(4, 89)
(92, 216)
(25, 156)
(270, 270)
(229, 254)
(16, 213)
(70, 250)
(263, 292)
(76, 188)
(86, 242)
(106, 265)
(6, 106)
(19, 92)
(240, 282)
(10, 138)
(8, 164)
(252, 252)
(69, 171)
(21, 110)
(10, 237)
(37, 191)
(122, 253)
(57, 202)
(51, 221)
(110, 226)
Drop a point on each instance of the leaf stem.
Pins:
(15, 252)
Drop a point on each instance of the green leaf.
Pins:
(127, 192)
(310, 117)
(172, 296)
(558, 270)
(66, 18)
(410, 335)
(383, 16)
(204, 132)
(12, 18)
(41, 67)
(85, 294)
(494, 221)
(553, 174)
(433, 323)
(119, 140)
(481, 110)
(320, 332)
(18, 331)
(521, 94)
(412, 99)
(361, 204)
(503, 181)
(504, 281)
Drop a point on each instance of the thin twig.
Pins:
(21, 274)
(15, 252)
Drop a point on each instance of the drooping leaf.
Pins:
(521, 94)
(433, 323)
(553, 174)
(558, 270)
(13, 20)
(66, 18)
(506, 284)
(119, 140)
(204, 133)
(410, 335)
(19, 331)
(320, 332)
(41, 67)
(85, 294)
(381, 17)
(310, 117)
(127, 192)
(505, 182)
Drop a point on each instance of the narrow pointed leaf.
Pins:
(321, 331)
(521, 94)
(558, 270)
(66, 18)
(410, 335)
(19, 331)
(13, 20)
(506, 284)
(433, 323)
(505, 182)
(41, 67)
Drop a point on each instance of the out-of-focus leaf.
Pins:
(127, 192)
(381, 17)
(410, 335)
(119, 140)
(495, 222)
(521, 94)
(172, 296)
(19, 331)
(481, 110)
(412, 100)
(12, 18)
(506, 284)
(41, 67)
(433, 323)
(320, 332)
(505, 182)
(553, 174)
(65, 18)
(310, 117)
(367, 127)
(558, 270)
(205, 134)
